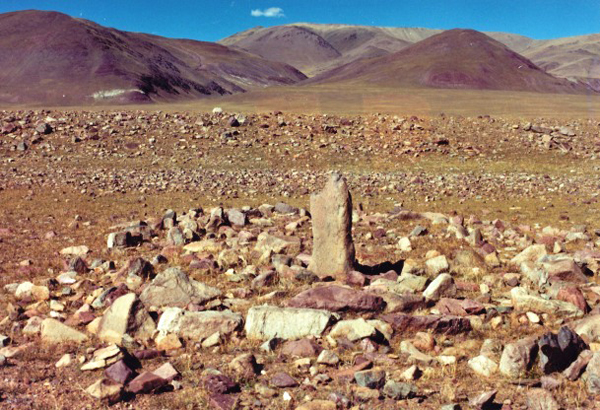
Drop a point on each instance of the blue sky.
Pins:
(211, 20)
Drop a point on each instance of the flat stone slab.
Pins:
(268, 322)
(337, 298)
(198, 325)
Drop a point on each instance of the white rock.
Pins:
(353, 330)
(442, 286)
(437, 265)
(404, 244)
(268, 322)
(80, 250)
(483, 365)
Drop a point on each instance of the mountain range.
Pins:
(52, 58)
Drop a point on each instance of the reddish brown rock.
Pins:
(301, 348)
(220, 384)
(346, 375)
(167, 372)
(448, 325)
(573, 295)
(283, 380)
(223, 401)
(145, 383)
(565, 271)
(455, 307)
(119, 372)
(355, 278)
(337, 298)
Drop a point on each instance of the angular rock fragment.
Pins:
(441, 286)
(483, 366)
(517, 358)
(371, 378)
(399, 391)
(301, 348)
(558, 351)
(146, 382)
(126, 316)
(283, 380)
(578, 366)
(104, 389)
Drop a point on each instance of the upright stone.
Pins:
(333, 249)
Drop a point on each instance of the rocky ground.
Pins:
(142, 267)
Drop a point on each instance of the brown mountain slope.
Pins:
(292, 45)
(352, 42)
(453, 59)
(570, 57)
(49, 57)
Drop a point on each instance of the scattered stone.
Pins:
(353, 329)
(484, 400)
(371, 378)
(104, 389)
(483, 366)
(541, 399)
(578, 366)
(437, 265)
(119, 372)
(399, 391)
(301, 348)
(146, 382)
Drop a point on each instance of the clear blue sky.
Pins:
(211, 20)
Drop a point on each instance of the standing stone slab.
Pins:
(268, 322)
(333, 249)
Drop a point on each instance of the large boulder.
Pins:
(333, 249)
(126, 315)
